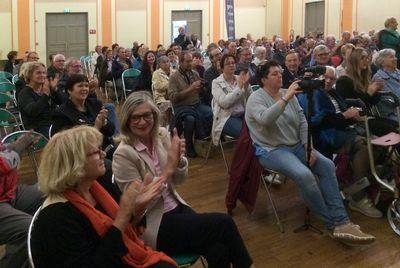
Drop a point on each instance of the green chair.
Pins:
(6, 87)
(4, 80)
(5, 99)
(6, 75)
(8, 120)
(187, 260)
(129, 73)
(39, 145)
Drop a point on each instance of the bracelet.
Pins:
(284, 100)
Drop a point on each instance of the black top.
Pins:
(345, 88)
(63, 237)
(36, 109)
(52, 71)
(67, 116)
(288, 78)
(9, 67)
(209, 75)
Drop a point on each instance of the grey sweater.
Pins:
(272, 125)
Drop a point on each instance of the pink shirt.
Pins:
(169, 199)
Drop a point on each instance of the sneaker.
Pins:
(351, 234)
(366, 207)
(269, 178)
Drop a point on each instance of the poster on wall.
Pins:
(175, 27)
(230, 19)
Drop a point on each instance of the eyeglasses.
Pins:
(135, 119)
(99, 152)
(33, 58)
(323, 54)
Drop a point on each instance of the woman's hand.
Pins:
(127, 206)
(151, 189)
(176, 151)
(351, 113)
(292, 90)
(375, 86)
(243, 81)
(101, 119)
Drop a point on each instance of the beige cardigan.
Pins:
(129, 165)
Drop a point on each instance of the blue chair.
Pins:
(187, 260)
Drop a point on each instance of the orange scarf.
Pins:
(138, 254)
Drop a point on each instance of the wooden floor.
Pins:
(205, 191)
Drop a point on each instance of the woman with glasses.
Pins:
(147, 154)
(229, 92)
(278, 128)
(80, 224)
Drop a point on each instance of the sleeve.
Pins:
(29, 105)
(345, 87)
(223, 98)
(160, 85)
(60, 122)
(11, 158)
(261, 113)
(173, 88)
(68, 238)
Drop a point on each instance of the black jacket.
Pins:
(67, 116)
(36, 109)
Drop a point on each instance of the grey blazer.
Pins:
(129, 165)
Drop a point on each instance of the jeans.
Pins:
(321, 196)
(112, 116)
(233, 126)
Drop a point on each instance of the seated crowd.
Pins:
(184, 94)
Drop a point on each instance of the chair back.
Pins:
(30, 257)
(5, 75)
(15, 78)
(131, 73)
(4, 80)
(7, 119)
(4, 98)
(7, 87)
(39, 145)
(254, 88)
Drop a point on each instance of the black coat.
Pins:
(67, 116)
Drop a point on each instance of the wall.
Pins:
(6, 31)
(250, 18)
(273, 17)
(381, 10)
(131, 22)
(47, 6)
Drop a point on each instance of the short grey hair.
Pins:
(380, 57)
(332, 69)
(260, 49)
(70, 61)
(320, 48)
(58, 56)
(162, 59)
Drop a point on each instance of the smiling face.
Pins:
(151, 58)
(390, 62)
(364, 62)
(94, 166)
(292, 62)
(79, 91)
(39, 75)
(141, 121)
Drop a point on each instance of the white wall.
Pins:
(274, 17)
(130, 20)
(372, 14)
(5, 22)
(250, 18)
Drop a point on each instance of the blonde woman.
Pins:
(80, 224)
(172, 226)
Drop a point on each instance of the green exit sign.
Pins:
(67, 10)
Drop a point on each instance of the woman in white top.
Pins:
(229, 99)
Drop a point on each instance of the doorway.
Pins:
(67, 33)
(192, 20)
(314, 17)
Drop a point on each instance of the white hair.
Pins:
(381, 55)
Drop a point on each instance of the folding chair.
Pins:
(228, 139)
(129, 73)
(6, 75)
(254, 88)
(30, 257)
(14, 79)
(4, 80)
(8, 120)
(267, 189)
(187, 260)
(33, 149)
(8, 88)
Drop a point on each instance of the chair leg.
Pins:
(208, 152)
(203, 261)
(224, 157)
(115, 91)
(278, 221)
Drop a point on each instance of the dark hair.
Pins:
(242, 40)
(11, 54)
(51, 56)
(173, 45)
(182, 55)
(197, 55)
(169, 50)
(114, 45)
(301, 40)
(224, 58)
(75, 79)
(263, 70)
(159, 45)
(145, 65)
(104, 49)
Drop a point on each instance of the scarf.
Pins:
(138, 254)
(8, 179)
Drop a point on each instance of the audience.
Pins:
(229, 99)
(278, 129)
(210, 74)
(11, 62)
(149, 156)
(291, 70)
(390, 37)
(148, 67)
(57, 68)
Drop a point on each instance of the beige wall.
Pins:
(372, 13)
(249, 18)
(5, 22)
(273, 17)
